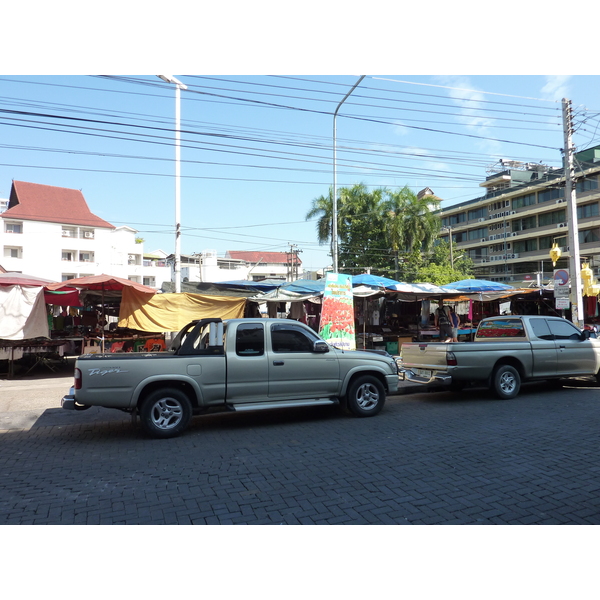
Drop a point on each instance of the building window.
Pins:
(67, 276)
(87, 234)
(86, 257)
(13, 228)
(133, 259)
(587, 210)
(478, 233)
(150, 281)
(456, 219)
(545, 242)
(68, 255)
(525, 223)
(525, 246)
(587, 185)
(522, 201)
(13, 252)
(69, 232)
(478, 213)
(552, 218)
(588, 236)
(551, 194)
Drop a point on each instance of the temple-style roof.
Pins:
(37, 202)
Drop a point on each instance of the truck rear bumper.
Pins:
(410, 375)
(68, 401)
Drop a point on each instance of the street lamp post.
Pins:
(334, 216)
(177, 262)
(449, 230)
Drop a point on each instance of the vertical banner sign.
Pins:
(337, 312)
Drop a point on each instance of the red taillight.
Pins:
(77, 382)
(451, 359)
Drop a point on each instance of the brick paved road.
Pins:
(428, 458)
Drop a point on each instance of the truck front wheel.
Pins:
(506, 382)
(366, 396)
(165, 413)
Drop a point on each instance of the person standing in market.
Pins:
(442, 321)
(455, 322)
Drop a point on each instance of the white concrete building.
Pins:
(50, 232)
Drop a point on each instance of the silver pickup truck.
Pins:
(237, 365)
(505, 352)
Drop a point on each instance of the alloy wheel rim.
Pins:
(367, 396)
(167, 413)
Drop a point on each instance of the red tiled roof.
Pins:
(37, 202)
(267, 257)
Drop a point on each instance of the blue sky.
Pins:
(256, 149)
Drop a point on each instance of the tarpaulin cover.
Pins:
(171, 312)
(22, 313)
(63, 298)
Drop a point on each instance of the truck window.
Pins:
(250, 339)
(540, 329)
(564, 330)
(290, 339)
(500, 328)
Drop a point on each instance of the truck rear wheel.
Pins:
(165, 413)
(366, 396)
(506, 382)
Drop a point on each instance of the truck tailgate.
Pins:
(421, 356)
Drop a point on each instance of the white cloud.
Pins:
(556, 87)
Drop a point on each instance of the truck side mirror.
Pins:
(320, 346)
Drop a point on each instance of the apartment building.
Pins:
(509, 231)
(50, 232)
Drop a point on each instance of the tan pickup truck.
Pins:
(235, 365)
(505, 352)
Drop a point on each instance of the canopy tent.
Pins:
(22, 307)
(478, 285)
(22, 313)
(22, 279)
(373, 281)
(103, 285)
(411, 292)
(171, 312)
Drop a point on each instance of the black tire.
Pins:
(366, 396)
(165, 413)
(506, 382)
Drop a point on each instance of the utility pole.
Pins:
(293, 262)
(573, 227)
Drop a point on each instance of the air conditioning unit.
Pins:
(66, 233)
(516, 255)
(483, 239)
(485, 260)
(560, 201)
(561, 225)
(513, 212)
(513, 234)
(131, 257)
(481, 220)
(88, 234)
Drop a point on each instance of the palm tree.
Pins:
(322, 207)
(409, 222)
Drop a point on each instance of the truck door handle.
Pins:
(278, 363)
(562, 347)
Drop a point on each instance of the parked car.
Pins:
(236, 365)
(506, 351)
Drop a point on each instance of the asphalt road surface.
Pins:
(429, 458)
